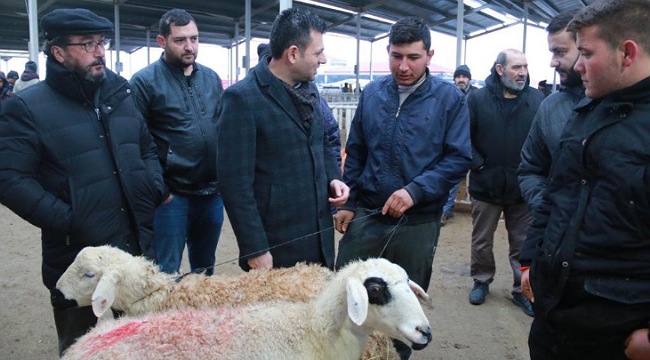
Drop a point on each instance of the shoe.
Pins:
(477, 295)
(525, 305)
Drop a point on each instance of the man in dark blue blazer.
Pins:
(277, 176)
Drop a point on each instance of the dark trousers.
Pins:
(71, 323)
(585, 326)
(411, 246)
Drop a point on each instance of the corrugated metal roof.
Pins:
(217, 19)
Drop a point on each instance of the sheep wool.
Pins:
(362, 297)
(107, 277)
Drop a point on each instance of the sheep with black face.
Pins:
(361, 298)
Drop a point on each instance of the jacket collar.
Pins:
(68, 83)
(275, 90)
(621, 99)
(177, 70)
(80, 90)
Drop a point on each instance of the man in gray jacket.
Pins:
(179, 99)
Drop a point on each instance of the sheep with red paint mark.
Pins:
(109, 278)
(362, 297)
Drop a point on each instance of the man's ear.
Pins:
(630, 51)
(292, 54)
(57, 52)
(429, 56)
(499, 69)
(161, 41)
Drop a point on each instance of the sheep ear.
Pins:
(104, 294)
(357, 301)
(422, 296)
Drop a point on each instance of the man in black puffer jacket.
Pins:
(77, 160)
(500, 117)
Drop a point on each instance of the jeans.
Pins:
(196, 219)
(449, 206)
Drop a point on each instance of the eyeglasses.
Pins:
(91, 46)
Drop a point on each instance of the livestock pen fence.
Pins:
(344, 105)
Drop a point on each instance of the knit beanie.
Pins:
(463, 70)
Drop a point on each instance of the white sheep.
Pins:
(107, 277)
(362, 297)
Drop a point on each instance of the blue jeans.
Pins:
(449, 206)
(198, 220)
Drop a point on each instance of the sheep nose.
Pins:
(426, 332)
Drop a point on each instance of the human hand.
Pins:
(169, 199)
(264, 261)
(397, 203)
(339, 192)
(342, 219)
(526, 289)
(637, 345)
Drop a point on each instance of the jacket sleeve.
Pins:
(477, 159)
(436, 182)
(236, 153)
(535, 163)
(148, 149)
(141, 94)
(331, 131)
(356, 156)
(21, 154)
(152, 162)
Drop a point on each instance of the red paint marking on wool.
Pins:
(108, 339)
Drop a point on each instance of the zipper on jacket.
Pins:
(399, 108)
(99, 118)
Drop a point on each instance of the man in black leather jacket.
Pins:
(178, 98)
(77, 160)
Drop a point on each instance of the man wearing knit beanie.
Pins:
(462, 78)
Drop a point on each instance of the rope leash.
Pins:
(179, 278)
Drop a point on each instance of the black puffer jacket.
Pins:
(86, 175)
(497, 139)
(180, 112)
(594, 222)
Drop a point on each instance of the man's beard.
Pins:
(87, 74)
(179, 61)
(511, 85)
(573, 78)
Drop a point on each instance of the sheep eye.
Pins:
(374, 289)
(89, 274)
(377, 290)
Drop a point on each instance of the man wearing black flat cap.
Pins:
(77, 160)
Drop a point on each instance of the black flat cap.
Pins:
(74, 22)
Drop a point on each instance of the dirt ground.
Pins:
(496, 330)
